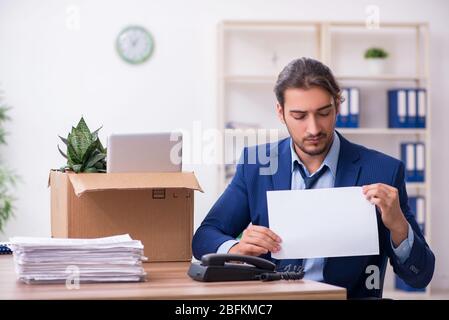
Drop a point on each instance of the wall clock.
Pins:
(135, 44)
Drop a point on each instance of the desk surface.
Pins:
(169, 281)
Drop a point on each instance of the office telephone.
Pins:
(223, 267)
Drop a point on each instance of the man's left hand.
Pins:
(386, 198)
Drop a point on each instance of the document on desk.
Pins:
(54, 260)
(318, 223)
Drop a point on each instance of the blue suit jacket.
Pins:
(244, 201)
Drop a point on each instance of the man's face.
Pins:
(310, 116)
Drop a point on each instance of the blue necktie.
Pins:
(309, 181)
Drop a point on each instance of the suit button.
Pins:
(414, 269)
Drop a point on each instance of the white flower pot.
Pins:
(376, 66)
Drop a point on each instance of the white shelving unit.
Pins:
(252, 53)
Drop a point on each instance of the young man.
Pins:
(316, 156)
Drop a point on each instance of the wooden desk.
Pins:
(169, 281)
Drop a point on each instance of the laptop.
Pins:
(144, 152)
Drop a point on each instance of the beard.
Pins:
(315, 145)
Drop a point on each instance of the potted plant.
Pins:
(376, 60)
(85, 153)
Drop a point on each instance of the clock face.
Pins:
(135, 44)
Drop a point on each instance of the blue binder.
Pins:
(420, 162)
(343, 115)
(408, 157)
(411, 118)
(354, 107)
(418, 208)
(422, 108)
(414, 157)
(348, 116)
(397, 108)
(421, 213)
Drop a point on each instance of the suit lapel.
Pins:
(281, 173)
(348, 168)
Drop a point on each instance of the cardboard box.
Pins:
(156, 208)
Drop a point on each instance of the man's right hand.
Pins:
(257, 240)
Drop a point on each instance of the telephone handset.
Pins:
(221, 267)
(221, 259)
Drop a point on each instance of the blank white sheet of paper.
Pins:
(318, 223)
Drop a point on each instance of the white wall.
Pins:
(52, 74)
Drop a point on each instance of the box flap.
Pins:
(52, 171)
(86, 182)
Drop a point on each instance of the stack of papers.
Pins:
(57, 260)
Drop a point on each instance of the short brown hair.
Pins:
(305, 73)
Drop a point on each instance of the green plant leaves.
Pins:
(63, 140)
(95, 161)
(8, 181)
(85, 153)
(7, 178)
(4, 113)
(71, 153)
(375, 53)
(62, 153)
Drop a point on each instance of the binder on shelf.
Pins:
(348, 116)
(408, 157)
(413, 156)
(422, 108)
(397, 108)
(418, 208)
(407, 108)
(411, 109)
(420, 162)
(354, 108)
(421, 213)
(343, 115)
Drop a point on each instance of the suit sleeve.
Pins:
(417, 270)
(228, 217)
